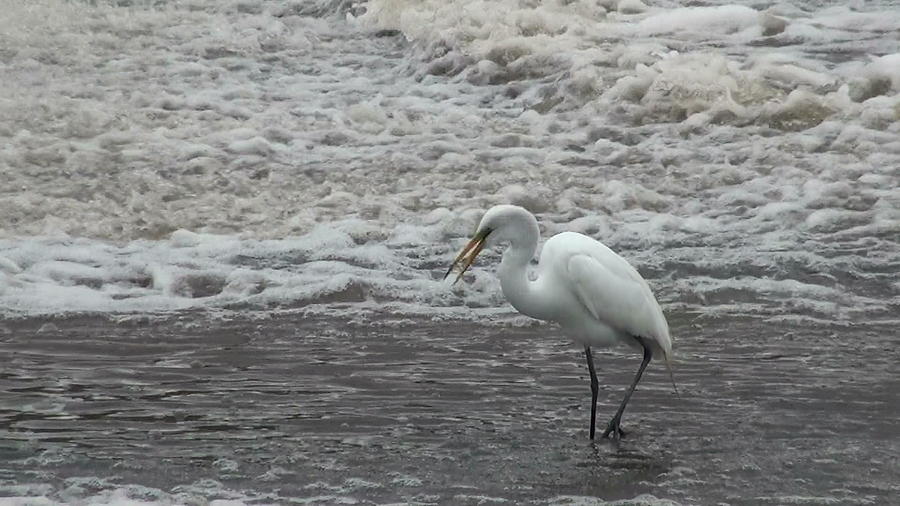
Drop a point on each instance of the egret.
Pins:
(595, 295)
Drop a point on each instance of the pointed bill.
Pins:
(466, 257)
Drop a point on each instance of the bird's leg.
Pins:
(613, 427)
(594, 387)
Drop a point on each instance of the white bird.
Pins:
(595, 295)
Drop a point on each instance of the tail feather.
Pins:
(667, 355)
(671, 376)
(666, 345)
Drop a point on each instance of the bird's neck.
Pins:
(521, 292)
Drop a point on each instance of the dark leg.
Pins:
(594, 387)
(613, 427)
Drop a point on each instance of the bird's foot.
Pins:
(613, 431)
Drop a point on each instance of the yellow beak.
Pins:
(466, 257)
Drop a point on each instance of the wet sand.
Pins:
(328, 409)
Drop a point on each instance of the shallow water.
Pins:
(301, 409)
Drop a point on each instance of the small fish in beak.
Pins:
(466, 257)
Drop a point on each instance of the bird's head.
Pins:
(503, 223)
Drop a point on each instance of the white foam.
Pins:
(885, 67)
(699, 21)
(631, 6)
(210, 156)
(104, 493)
(641, 500)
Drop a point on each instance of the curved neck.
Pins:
(521, 292)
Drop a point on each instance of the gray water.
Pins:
(325, 410)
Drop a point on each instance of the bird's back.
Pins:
(609, 288)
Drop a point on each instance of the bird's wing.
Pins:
(618, 297)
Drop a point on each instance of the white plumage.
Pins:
(595, 295)
(608, 287)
